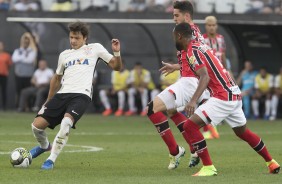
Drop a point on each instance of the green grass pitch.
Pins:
(133, 152)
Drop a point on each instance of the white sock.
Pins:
(131, 99)
(274, 105)
(61, 138)
(121, 99)
(144, 99)
(267, 107)
(104, 99)
(255, 105)
(40, 136)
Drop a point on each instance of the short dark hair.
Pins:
(184, 29)
(184, 7)
(138, 63)
(81, 27)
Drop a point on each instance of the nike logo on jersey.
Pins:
(74, 112)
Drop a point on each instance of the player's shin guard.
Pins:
(40, 136)
(256, 143)
(161, 123)
(198, 142)
(179, 120)
(61, 138)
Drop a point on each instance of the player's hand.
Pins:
(115, 45)
(167, 68)
(190, 108)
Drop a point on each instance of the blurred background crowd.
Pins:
(28, 56)
(201, 6)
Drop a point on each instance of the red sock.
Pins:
(179, 120)
(256, 143)
(198, 141)
(161, 123)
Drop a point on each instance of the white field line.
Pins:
(85, 148)
(125, 133)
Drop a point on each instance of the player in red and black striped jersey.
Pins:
(174, 97)
(215, 40)
(225, 102)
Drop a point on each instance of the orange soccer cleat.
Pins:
(119, 112)
(107, 112)
(129, 113)
(273, 167)
(143, 113)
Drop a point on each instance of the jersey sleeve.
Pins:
(147, 77)
(257, 82)
(271, 82)
(103, 53)
(60, 68)
(196, 61)
(112, 77)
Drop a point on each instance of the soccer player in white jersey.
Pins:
(67, 102)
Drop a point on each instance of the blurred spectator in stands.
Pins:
(158, 5)
(166, 81)
(265, 6)
(24, 59)
(246, 80)
(277, 94)
(26, 5)
(99, 5)
(119, 80)
(4, 5)
(39, 87)
(5, 64)
(137, 6)
(256, 6)
(263, 92)
(62, 5)
(140, 83)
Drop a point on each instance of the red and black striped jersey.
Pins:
(217, 44)
(221, 85)
(185, 70)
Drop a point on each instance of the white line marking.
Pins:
(86, 148)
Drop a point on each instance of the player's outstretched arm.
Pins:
(116, 62)
(203, 83)
(169, 68)
(55, 85)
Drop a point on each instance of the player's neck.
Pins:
(211, 35)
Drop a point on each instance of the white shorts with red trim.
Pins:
(214, 111)
(180, 93)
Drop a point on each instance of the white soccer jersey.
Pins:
(78, 67)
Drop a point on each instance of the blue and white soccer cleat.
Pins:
(47, 165)
(36, 151)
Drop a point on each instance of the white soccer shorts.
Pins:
(214, 111)
(183, 90)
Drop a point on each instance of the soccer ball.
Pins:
(20, 157)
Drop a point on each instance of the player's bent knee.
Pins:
(40, 123)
